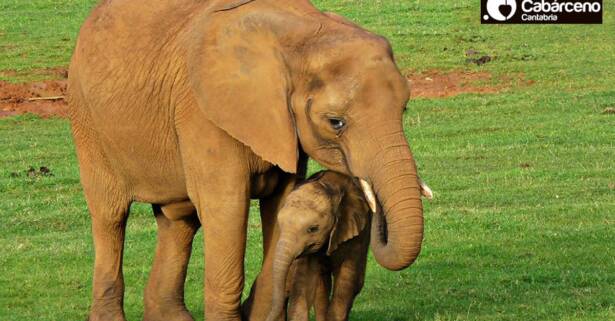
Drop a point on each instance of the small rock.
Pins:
(479, 61)
(471, 52)
(31, 172)
(483, 60)
(45, 171)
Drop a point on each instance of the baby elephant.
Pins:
(324, 226)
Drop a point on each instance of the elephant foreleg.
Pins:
(346, 287)
(349, 276)
(223, 212)
(218, 184)
(224, 256)
(300, 285)
(258, 304)
(321, 295)
(164, 295)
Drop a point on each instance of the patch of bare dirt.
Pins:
(440, 84)
(45, 98)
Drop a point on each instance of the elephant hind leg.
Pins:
(109, 213)
(109, 202)
(164, 295)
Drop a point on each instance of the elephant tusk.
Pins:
(425, 190)
(369, 194)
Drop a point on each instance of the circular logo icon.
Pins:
(501, 10)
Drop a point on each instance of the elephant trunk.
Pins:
(285, 254)
(397, 230)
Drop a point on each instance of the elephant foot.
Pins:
(165, 313)
(106, 315)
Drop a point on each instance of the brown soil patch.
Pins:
(439, 84)
(44, 98)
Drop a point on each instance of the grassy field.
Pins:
(523, 224)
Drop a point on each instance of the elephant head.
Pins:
(283, 77)
(324, 212)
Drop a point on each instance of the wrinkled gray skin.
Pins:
(324, 233)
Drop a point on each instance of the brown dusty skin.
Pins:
(203, 115)
(342, 218)
(428, 84)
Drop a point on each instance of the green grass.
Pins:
(523, 224)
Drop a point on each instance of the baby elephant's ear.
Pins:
(351, 219)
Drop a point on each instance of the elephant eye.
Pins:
(337, 123)
(312, 229)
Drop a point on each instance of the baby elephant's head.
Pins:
(325, 211)
(307, 218)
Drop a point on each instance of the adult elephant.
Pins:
(210, 103)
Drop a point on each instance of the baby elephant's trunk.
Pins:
(285, 253)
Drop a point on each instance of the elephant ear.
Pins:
(352, 218)
(241, 83)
